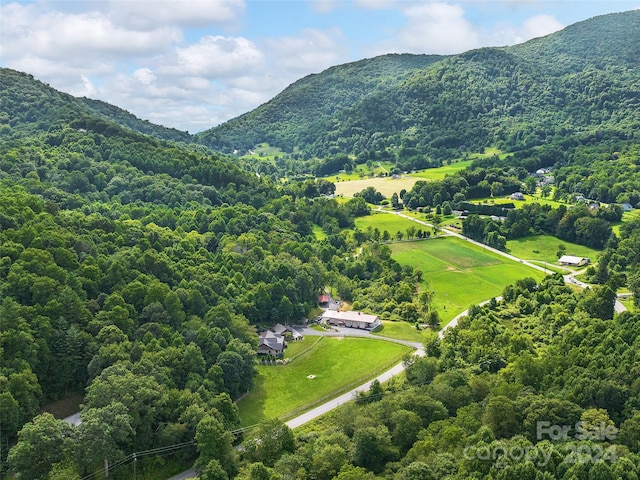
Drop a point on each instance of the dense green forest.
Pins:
(137, 265)
(484, 402)
(138, 270)
(551, 90)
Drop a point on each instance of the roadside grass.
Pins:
(400, 331)
(543, 248)
(628, 303)
(337, 365)
(460, 273)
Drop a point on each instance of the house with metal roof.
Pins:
(573, 261)
(351, 319)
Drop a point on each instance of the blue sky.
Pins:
(192, 65)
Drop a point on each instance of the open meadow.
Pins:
(460, 273)
(441, 172)
(348, 184)
(320, 368)
(387, 186)
(543, 248)
(387, 221)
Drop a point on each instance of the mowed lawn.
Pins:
(543, 248)
(400, 331)
(387, 221)
(460, 273)
(336, 364)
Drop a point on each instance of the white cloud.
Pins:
(310, 52)
(432, 28)
(75, 38)
(149, 14)
(214, 57)
(376, 4)
(144, 76)
(539, 26)
(324, 6)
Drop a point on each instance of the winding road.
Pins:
(397, 369)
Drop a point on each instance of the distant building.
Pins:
(572, 261)
(351, 319)
(323, 299)
(626, 207)
(517, 196)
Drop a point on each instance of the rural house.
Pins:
(271, 343)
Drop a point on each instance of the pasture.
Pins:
(348, 184)
(519, 203)
(626, 218)
(320, 368)
(441, 172)
(387, 221)
(543, 248)
(460, 273)
(387, 186)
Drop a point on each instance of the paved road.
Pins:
(191, 473)
(569, 278)
(449, 233)
(350, 395)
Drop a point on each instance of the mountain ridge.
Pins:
(538, 74)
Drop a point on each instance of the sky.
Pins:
(192, 65)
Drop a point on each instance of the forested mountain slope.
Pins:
(136, 271)
(309, 107)
(28, 105)
(581, 82)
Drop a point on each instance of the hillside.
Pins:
(577, 82)
(309, 106)
(28, 106)
(134, 273)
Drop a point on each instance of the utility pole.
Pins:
(106, 468)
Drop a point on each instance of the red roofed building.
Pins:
(323, 299)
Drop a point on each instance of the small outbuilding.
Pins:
(572, 261)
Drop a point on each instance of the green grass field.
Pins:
(385, 185)
(519, 203)
(460, 273)
(400, 331)
(543, 248)
(336, 364)
(387, 221)
(441, 172)
(626, 217)
(348, 184)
